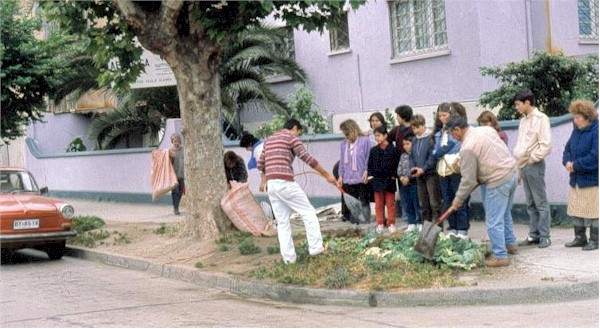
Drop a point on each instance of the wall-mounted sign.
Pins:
(158, 73)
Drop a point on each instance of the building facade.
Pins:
(425, 52)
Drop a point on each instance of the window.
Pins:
(588, 19)
(418, 27)
(339, 39)
(288, 43)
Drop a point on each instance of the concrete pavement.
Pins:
(535, 275)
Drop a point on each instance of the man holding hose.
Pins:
(285, 195)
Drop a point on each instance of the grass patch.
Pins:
(87, 223)
(272, 250)
(247, 247)
(90, 233)
(199, 265)
(375, 262)
(167, 229)
(234, 238)
(223, 247)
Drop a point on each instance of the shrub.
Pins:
(302, 108)
(87, 223)
(247, 247)
(340, 278)
(76, 145)
(555, 80)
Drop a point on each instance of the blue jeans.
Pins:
(497, 203)
(459, 220)
(410, 203)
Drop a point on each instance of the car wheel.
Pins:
(7, 255)
(55, 250)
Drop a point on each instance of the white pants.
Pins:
(287, 197)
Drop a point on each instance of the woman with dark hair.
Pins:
(580, 158)
(446, 151)
(235, 168)
(254, 145)
(375, 120)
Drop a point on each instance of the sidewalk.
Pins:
(535, 275)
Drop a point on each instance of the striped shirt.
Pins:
(278, 154)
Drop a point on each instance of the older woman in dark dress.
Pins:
(580, 158)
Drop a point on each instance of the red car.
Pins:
(30, 220)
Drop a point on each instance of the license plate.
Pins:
(26, 224)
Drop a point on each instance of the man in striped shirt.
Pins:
(286, 196)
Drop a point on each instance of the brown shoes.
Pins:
(496, 262)
(512, 249)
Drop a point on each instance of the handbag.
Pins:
(449, 164)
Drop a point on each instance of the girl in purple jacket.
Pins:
(354, 157)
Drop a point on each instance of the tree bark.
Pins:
(195, 60)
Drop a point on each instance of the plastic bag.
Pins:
(244, 211)
(162, 174)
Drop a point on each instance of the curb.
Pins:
(301, 295)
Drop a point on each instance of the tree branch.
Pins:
(135, 17)
(169, 12)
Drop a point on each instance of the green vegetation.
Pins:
(223, 247)
(199, 265)
(272, 250)
(302, 107)
(376, 262)
(76, 145)
(90, 234)
(247, 247)
(167, 229)
(555, 80)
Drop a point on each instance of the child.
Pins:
(383, 162)
(487, 118)
(352, 168)
(408, 185)
(423, 168)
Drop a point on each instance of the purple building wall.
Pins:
(125, 174)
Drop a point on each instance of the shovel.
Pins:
(425, 245)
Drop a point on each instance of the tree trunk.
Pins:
(195, 59)
(200, 105)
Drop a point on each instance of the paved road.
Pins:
(36, 292)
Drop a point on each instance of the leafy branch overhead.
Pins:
(113, 28)
(555, 80)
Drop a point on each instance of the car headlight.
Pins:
(67, 211)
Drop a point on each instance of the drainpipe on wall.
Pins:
(360, 98)
(529, 28)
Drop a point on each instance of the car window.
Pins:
(13, 181)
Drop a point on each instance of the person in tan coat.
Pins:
(486, 161)
(534, 144)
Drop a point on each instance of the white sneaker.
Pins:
(392, 228)
(462, 236)
(451, 233)
(420, 227)
(379, 229)
(411, 227)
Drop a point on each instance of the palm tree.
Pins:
(248, 62)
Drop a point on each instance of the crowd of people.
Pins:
(433, 171)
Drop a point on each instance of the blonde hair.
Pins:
(584, 108)
(488, 116)
(350, 129)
